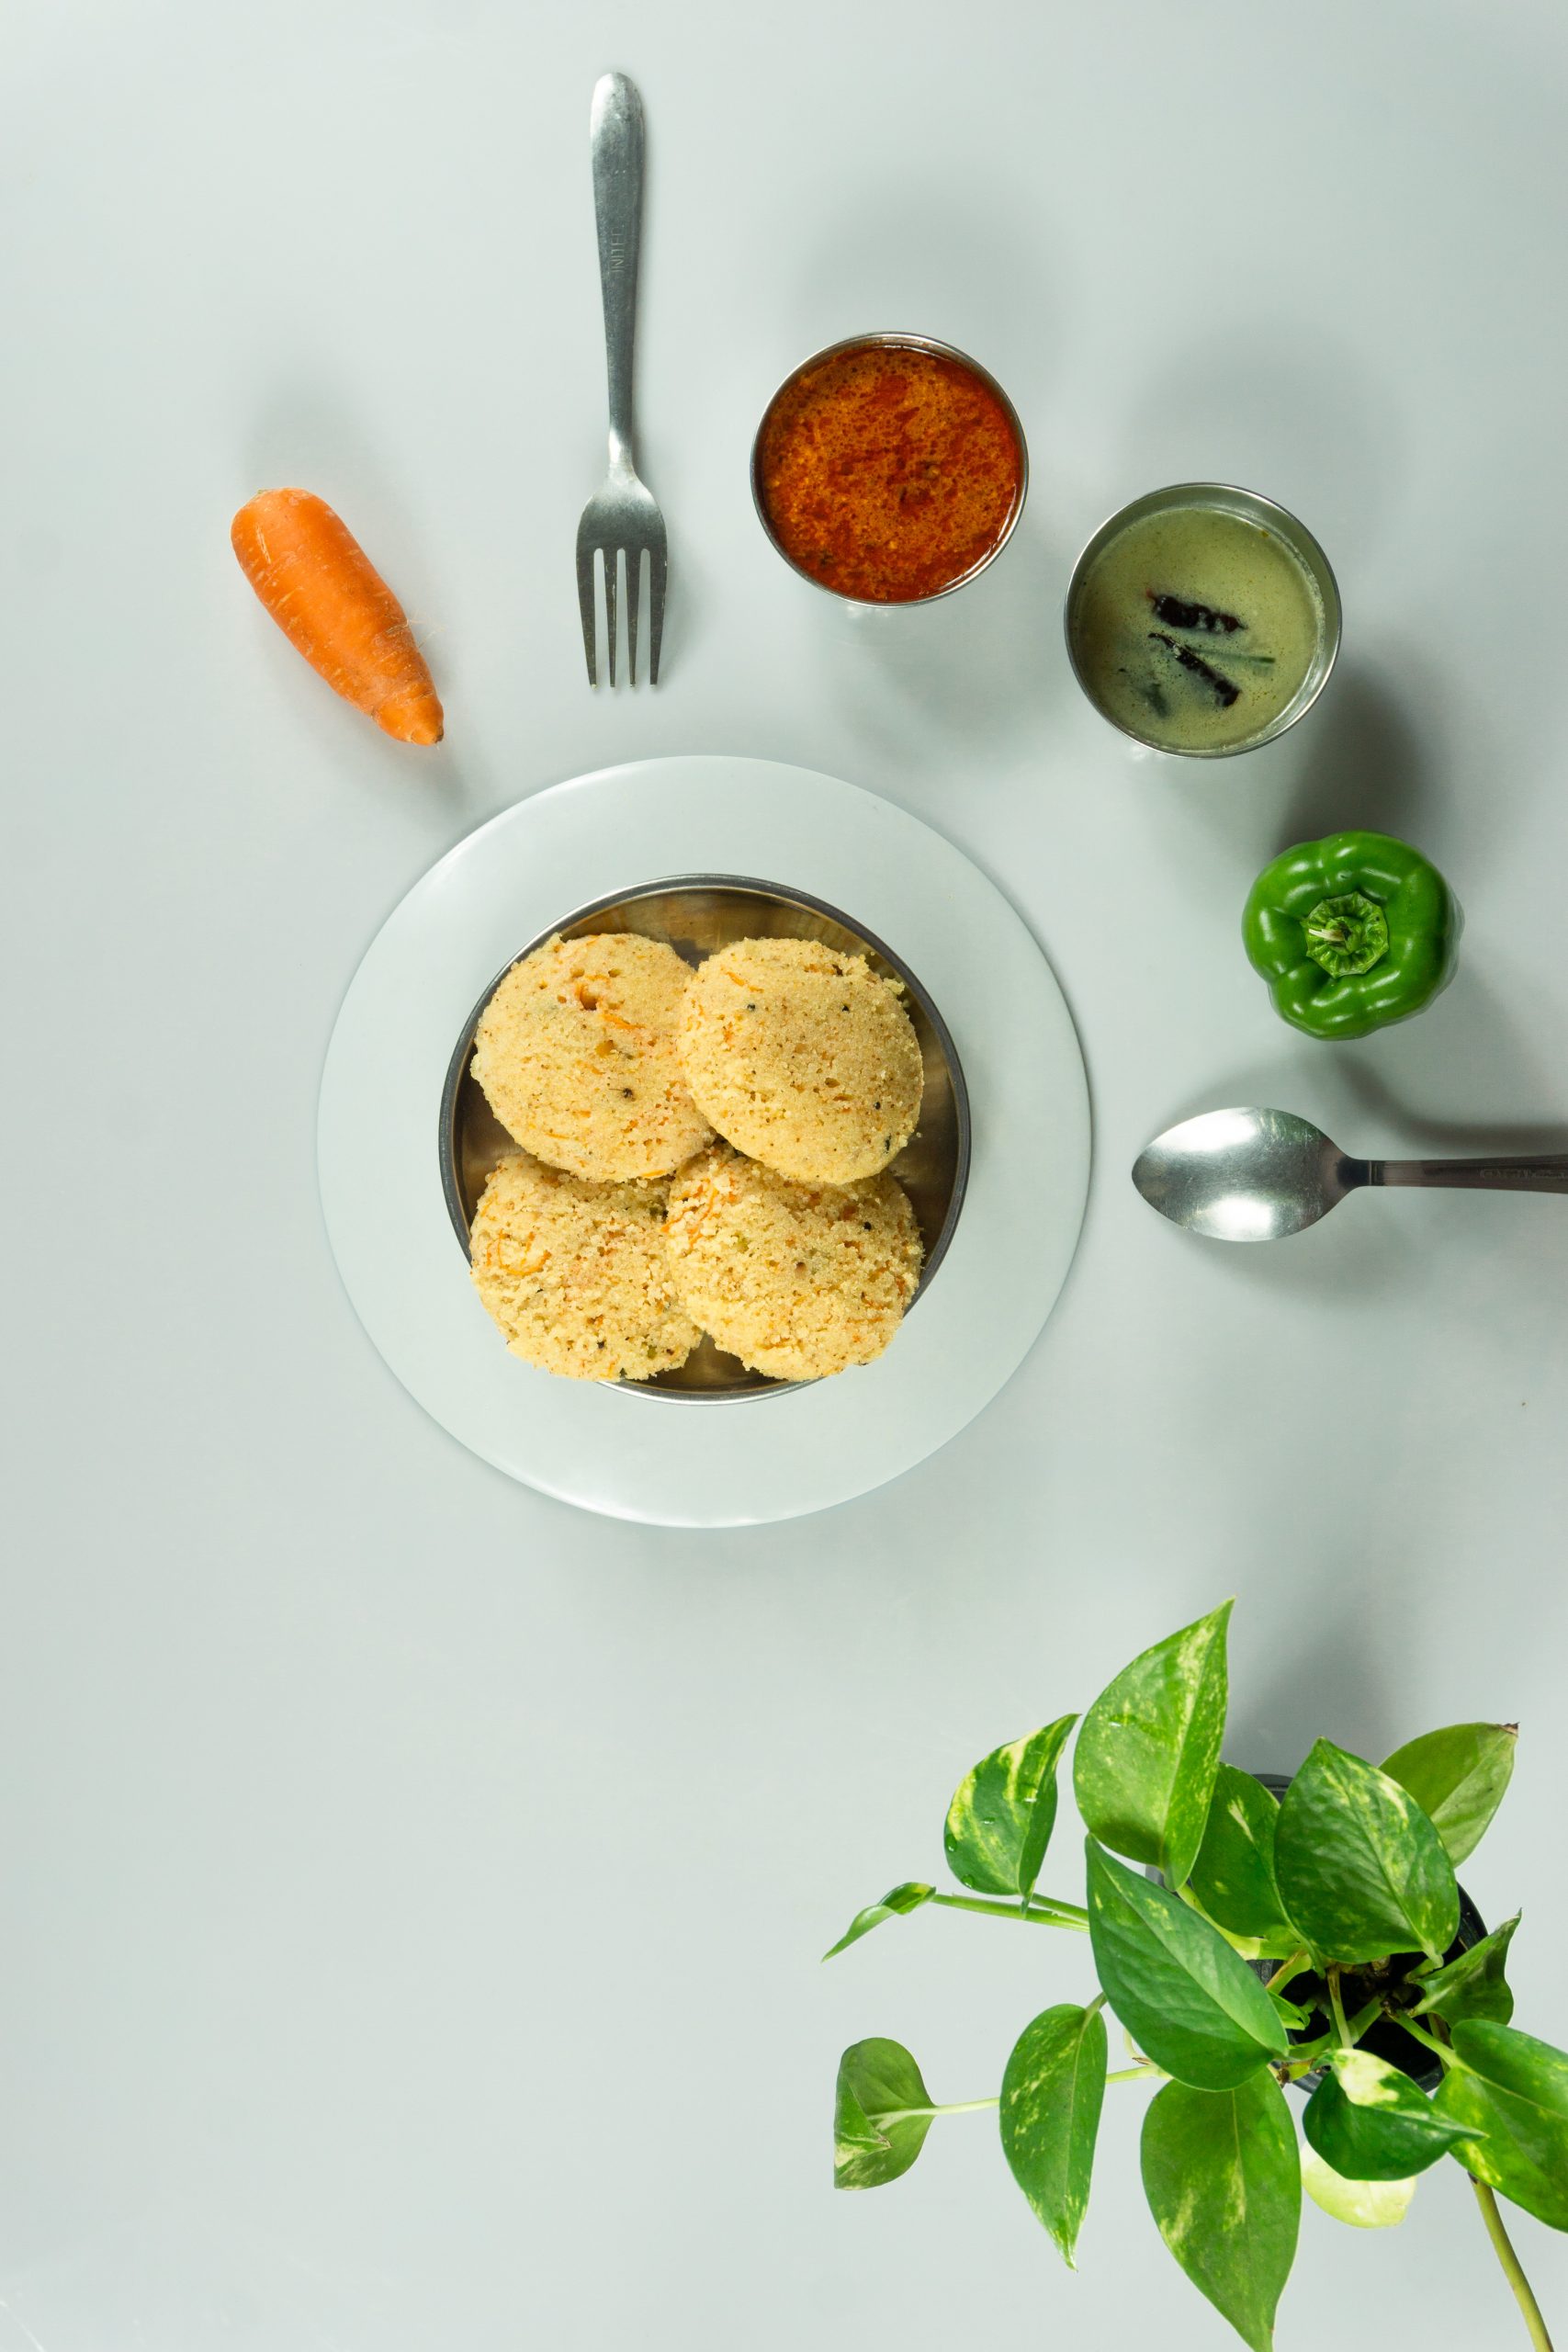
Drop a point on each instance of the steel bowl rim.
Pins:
(1318, 565)
(457, 1069)
(893, 339)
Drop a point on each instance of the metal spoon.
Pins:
(1251, 1175)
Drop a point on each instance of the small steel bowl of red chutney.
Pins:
(889, 470)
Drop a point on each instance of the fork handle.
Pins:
(614, 135)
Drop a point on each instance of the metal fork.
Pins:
(622, 516)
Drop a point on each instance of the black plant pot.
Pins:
(1385, 2040)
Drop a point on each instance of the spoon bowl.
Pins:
(1245, 1175)
(1256, 1175)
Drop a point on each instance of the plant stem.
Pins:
(1057, 1914)
(908, 2114)
(1287, 1969)
(1363, 2019)
(1336, 2001)
(1523, 2293)
(1407, 2024)
(1063, 1909)
(1136, 2074)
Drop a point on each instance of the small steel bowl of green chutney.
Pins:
(1202, 619)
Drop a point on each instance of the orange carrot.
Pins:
(335, 607)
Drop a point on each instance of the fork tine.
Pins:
(585, 605)
(634, 590)
(611, 566)
(657, 564)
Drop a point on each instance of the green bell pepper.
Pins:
(1351, 932)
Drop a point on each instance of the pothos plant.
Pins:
(1248, 1945)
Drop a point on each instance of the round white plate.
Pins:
(742, 1461)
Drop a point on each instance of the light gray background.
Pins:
(413, 1889)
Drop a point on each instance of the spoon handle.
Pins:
(1535, 1172)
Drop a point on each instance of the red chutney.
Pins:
(887, 473)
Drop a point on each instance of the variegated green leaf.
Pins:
(1002, 1813)
(1143, 1769)
(1360, 1869)
(1234, 1874)
(1049, 2115)
(1473, 1986)
(1223, 2182)
(1514, 2089)
(1182, 1994)
(894, 1905)
(1362, 2204)
(1371, 2123)
(1458, 1777)
(875, 2135)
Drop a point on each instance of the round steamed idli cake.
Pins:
(796, 1280)
(577, 1275)
(576, 1053)
(802, 1058)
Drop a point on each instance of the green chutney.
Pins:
(1194, 628)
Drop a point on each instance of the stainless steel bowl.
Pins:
(890, 340)
(698, 913)
(1252, 508)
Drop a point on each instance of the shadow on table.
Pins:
(1327, 1686)
(1282, 411)
(1369, 1096)
(1424, 1136)
(1365, 768)
(934, 248)
(1356, 761)
(985, 663)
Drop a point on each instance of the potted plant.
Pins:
(1251, 1939)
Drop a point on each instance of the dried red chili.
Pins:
(888, 472)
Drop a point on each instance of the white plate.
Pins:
(773, 1457)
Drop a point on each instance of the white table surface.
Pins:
(412, 1888)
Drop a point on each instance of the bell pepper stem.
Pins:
(1524, 2294)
